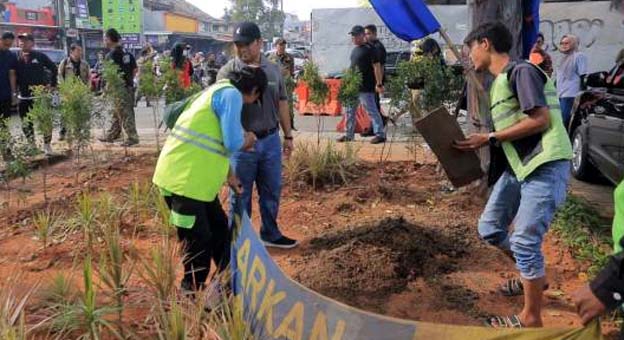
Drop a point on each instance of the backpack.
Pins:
(173, 111)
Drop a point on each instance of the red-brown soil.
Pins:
(394, 241)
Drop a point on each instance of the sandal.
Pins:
(504, 322)
(514, 287)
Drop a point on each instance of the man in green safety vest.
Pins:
(194, 164)
(527, 125)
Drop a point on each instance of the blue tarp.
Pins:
(407, 19)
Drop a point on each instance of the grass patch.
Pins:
(583, 230)
(318, 165)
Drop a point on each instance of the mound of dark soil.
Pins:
(378, 259)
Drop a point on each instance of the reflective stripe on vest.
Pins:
(194, 162)
(527, 154)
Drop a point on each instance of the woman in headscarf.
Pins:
(570, 72)
(181, 62)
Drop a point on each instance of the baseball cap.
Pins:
(26, 36)
(357, 30)
(246, 32)
(8, 36)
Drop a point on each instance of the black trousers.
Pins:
(208, 240)
(5, 134)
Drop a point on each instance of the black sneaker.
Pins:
(378, 140)
(106, 140)
(344, 139)
(283, 243)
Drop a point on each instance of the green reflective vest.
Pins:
(618, 219)
(194, 162)
(526, 155)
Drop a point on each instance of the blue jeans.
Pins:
(263, 166)
(530, 205)
(566, 104)
(367, 99)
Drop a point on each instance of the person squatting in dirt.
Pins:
(194, 164)
(123, 117)
(528, 127)
(263, 164)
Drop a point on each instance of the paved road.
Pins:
(309, 126)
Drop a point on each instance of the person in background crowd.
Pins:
(190, 175)
(540, 57)
(529, 128)
(8, 90)
(606, 291)
(263, 165)
(286, 62)
(199, 63)
(370, 32)
(123, 115)
(570, 73)
(75, 66)
(364, 58)
(182, 64)
(146, 56)
(212, 68)
(33, 68)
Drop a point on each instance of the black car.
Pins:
(597, 131)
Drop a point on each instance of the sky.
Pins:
(300, 7)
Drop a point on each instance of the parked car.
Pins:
(393, 59)
(597, 131)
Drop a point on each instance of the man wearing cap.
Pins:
(33, 68)
(287, 63)
(263, 165)
(366, 61)
(8, 90)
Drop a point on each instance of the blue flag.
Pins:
(407, 19)
(530, 26)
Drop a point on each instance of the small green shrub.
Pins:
(315, 83)
(76, 108)
(350, 87)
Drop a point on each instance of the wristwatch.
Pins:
(493, 140)
(288, 137)
(379, 85)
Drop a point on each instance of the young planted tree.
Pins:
(45, 223)
(152, 88)
(44, 116)
(115, 90)
(171, 82)
(318, 91)
(76, 108)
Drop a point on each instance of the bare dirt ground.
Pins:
(394, 241)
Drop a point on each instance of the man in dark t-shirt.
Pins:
(365, 60)
(8, 89)
(380, 50)
(123, 116)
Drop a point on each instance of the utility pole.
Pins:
(60, 17)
